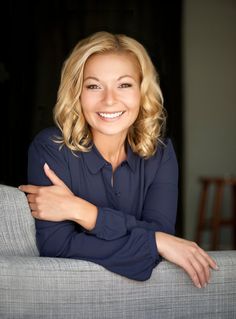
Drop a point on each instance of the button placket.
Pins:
(117, 191)
(113, 190)
(108, 174)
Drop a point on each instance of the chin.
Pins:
(111, 132)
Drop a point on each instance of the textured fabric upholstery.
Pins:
(17, 230)
(36, 287)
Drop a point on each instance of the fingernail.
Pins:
(205, 285)
(46, 166)
(216, 267)
(19, 187)
(198, 286)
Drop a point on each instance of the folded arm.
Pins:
(133, 254)
(119, 242)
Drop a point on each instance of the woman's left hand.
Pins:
(187, 255)
(52, 203)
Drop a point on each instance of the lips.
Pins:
(110, 115)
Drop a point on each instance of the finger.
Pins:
(199, 273)
(202, 268)
(33, 207)
(211, 261)
(31, 198)
(35, 214)
(52, 176)
(32, 189)
(190, 270)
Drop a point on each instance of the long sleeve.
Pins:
(133, 255)
(159, 208)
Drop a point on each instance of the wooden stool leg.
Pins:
(234, 215)
(202, 211)
(216, 215)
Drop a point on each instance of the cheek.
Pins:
(87, 102)
(136, 113)
(134, 103)
(133, 112)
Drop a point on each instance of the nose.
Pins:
(109, 97)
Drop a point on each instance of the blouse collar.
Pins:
(95, 161)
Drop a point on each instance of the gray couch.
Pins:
(39, 287)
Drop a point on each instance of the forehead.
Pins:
(107, 63)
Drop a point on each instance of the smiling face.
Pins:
(111, 95)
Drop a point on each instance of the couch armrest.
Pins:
(17, 229)
(38, 287)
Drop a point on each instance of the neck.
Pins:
(112, 148)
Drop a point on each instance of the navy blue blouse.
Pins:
(141, 201)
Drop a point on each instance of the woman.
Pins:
(106, 177)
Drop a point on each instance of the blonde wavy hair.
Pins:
(145, 133)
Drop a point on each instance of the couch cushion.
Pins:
(36, 287)
(17, 229)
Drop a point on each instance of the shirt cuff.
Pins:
(99, 222)
(153, 247)
(112, 224)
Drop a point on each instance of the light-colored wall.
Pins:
(209, 80)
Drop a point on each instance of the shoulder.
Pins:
(48, 136)
(164, 157)
(165, 151)
(45, 148)
(47, 142)
(163, 165)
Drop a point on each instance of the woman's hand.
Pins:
(53, 203)
(57, 203)
(188, 255)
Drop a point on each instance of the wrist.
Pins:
(159, 241)
(84, 213)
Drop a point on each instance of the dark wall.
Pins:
(37, 38)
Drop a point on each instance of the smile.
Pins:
(110, 115)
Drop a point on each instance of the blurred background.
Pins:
(193, 46)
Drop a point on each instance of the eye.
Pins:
(125, 85)
(92, 87)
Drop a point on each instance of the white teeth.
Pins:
(110, 115)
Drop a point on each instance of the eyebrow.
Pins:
(97, 79)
